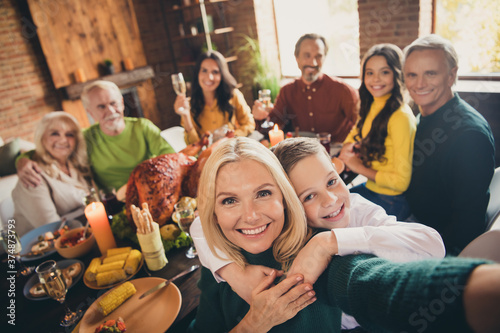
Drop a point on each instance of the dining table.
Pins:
(44, 315)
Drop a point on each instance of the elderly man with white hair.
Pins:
(115, 144)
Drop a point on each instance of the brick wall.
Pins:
(394, 21)
(26, 90)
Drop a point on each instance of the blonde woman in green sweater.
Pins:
(380, 146)
(251, 213)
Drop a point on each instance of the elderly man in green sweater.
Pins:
(115, 144)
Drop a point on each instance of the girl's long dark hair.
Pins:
(223, 93)
(372, 147)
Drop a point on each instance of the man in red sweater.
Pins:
(314, 102)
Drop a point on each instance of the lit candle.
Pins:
(98, 219)
(80, 76)
(276, 135)
(127, 63)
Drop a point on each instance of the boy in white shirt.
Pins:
(357, 225)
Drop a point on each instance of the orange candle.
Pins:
(98, 219)
(127, 63)
(276, 135)
(80, 76)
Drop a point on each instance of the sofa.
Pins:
(9, 151)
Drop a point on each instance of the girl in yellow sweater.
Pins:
(380, 146)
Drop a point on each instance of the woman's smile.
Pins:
(249, 205)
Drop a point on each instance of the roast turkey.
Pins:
(161, 181)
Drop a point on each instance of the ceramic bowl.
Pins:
(79, 249)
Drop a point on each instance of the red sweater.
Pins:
(326, 105)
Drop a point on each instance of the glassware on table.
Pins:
(179, 84)
(110, 201)
(265, 99)
(54, 284)
(184, 215)
(12, 246)
(325, 139)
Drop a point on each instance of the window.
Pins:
(336, 20)
(474, 29)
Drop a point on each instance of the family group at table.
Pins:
(265, 211)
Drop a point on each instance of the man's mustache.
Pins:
(313, 67)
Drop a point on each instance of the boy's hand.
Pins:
(244, 281)
(315, 256)
(28, 172)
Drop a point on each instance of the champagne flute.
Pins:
(265, 99)
(179, 84)
(54, 284)
(185, 216)
(12, 246)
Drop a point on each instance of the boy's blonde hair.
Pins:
(290, 151)
(293, 235)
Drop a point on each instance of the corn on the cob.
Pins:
(109, 277)
(117, 257)
(118, 250)
(91, 271)
(116, 297)
(133, 261)
(110, 266)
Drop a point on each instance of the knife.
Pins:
(166, 283)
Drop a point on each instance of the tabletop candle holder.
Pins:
(148, 234)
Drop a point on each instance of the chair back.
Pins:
(485, 246)
(6, 210)
(175, 137)
(494, 205)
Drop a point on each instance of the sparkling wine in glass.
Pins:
(265, 99)
(179, 84)
(53, 283)
(185, 217)
(12, 246)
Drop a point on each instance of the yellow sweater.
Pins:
(394, 174)
(212, 118)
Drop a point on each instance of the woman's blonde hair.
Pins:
(79, 156)
(294, 233)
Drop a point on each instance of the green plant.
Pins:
(108, 62)
(255, 70)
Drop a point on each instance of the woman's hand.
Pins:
(181, 105)
(315, 256)
(352, 162)
(274, 305)
(244, 280)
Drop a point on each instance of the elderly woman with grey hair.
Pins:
(61, 155)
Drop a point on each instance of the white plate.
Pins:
(153, 313)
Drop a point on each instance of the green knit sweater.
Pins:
(112, 158)
(424, 296)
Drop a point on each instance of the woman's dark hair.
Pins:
(372, 147)
(224, 91)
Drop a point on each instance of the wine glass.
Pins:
(12, 246)
(54, 284)
(179, 84)
(265, 99)
(184, 216)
